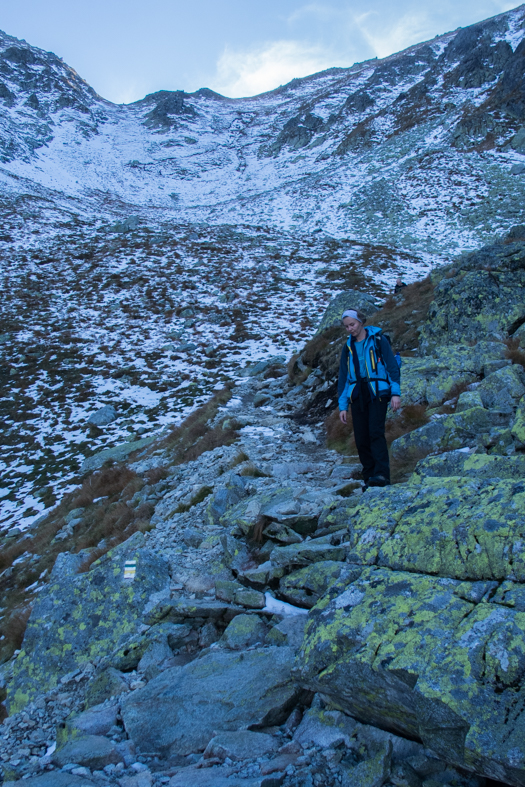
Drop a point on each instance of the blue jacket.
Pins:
(383, 374)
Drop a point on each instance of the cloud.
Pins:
(384, 40)
(254, 71)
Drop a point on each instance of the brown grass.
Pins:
(514, 352)
(411, 417)
(194, 436)
(402, 314)
(403, 467)
(339, 436)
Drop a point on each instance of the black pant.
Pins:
(368, 416)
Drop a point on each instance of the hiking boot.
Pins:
(378, 480)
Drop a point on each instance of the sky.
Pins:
(126, 49)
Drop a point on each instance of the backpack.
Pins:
(377, 344)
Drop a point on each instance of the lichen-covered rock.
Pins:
(241, 745)
(350, 299)
(304, 587)
(108, 683)
(449, 432)
(482, 298)
(84, 617)
(178, 712)
(460, 528)
(468, 399)
(503, 389)
(281, 505)
(244, 631)
(407, 652)
(430, 379)
(471, 465)
(303, 554)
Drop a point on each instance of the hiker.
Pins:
(369, 378)
(399, 285)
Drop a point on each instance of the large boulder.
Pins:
(472, 465)
(83, 617)
(426, 657)
(350, 299)
(179, 711)
(470, 427)
(460, 528)
(481, 297)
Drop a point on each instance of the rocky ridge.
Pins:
(273, 624)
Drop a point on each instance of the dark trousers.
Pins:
(368, 416)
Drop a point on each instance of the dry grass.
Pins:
(194, 436)
(410, 417)
(404, 465)
(339, 436)
(402, 314)
(514, 352)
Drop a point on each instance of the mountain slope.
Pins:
(415, 149)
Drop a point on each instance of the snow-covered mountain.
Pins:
(417, 150)
(150, 251)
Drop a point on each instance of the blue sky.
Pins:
(128, 48)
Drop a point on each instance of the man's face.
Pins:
(353, 327)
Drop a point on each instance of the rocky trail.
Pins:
(266, 622)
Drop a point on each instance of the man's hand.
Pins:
(395, 403)
(342, 416)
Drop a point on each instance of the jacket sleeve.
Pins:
(344, 399)
(392, 369)
(343, 371)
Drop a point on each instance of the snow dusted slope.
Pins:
(149, 252)
(414, 150)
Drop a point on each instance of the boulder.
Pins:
(226, 497)
(460, 528)
(214, 777)
(108, 683)
(91, 751)
(468, 399)
(518, 427)
(262, 366)
(304, 587)
(243, 631)
(518, 140)
(432, 378)
(178, 711)
(116, 454)
(241, 745)
(106, 415)
(86, 616)
(97, 720)
(480, 298)
(313, 551)
(503, 389)
(350, 299)
(426, 658)
(449, 432)
(280, 505)
(325, 728)
(471, 465)
(289, 632)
